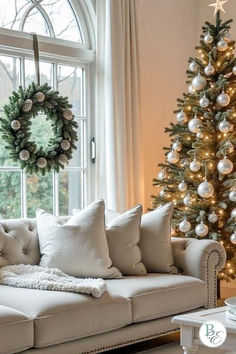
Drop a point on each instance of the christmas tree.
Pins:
(199, 175)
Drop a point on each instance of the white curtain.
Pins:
(118, 176)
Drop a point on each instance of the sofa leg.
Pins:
(191, 350)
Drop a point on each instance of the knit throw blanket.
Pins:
(35, 277)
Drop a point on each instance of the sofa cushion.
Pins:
(61, 317)
(159, 295)
(16, 331)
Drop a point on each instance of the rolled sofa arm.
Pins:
(201, 259)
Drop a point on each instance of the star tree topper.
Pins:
(218, 5)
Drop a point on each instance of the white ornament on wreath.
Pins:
(209, 69)
(225, 166)
(67, 114)
(201, 229)
(193, 66)
(224, 126)
(223, 99)
(233, 213)
(204, 102)
(195, 165)
(182, 186)
(222, 45)
(173, 157)
(233, 238)
(199, 82)
(195, 124)
(213, 217)
(232, 196)
(27, 105)
(15, 124)
(65, 145)
(177, 146)
(205, 189)
(185, 226)
(39, 96)
(42, 162)
(63, 159)
(181, 117)
(24, 155)
(208, 39)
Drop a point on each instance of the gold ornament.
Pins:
(218, 5)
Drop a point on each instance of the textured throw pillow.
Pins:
(78, 247)
(123, 235)
(155, 243)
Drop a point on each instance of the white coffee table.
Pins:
(191, 322)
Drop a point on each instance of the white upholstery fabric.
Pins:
(61, 317)
(123, 235)
(155, 243)
(159, 295)
(16, 331)
(79, 246)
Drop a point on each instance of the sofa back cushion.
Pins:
(18, 242)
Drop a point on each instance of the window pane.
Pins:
(11, 12)
(41, 131)
(70, 191)
(39, 193)
(70, 84)
(46, 72)
(77, 159)
(10, 195)
(36, 23)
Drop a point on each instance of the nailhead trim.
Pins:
(215, 277)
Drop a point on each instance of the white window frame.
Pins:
(58, 51)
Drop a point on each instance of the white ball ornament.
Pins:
(209, 69)
(233, 213)
(185, 226)
(205, 189)
(224, 126)
(62, 159)
(177, 146)
(199, 82)
(67, 114)
(201, 230)
(173, 156)
(15, 124)
(42, 162)
(181, 117)
(223, 99)
(225, 166)
(162, 193)
(200, 135)
(195, 124)
(227, 37)
(234, 70)
(27, 105)
(24, 155)
(187, 200)
(232, 196)
(161, 175)
(213, 217)
(40, 97)
(208, 39)
(230, 147)
(233, 238)
(182, 186)
(222, 45)
(65, 145)
(204, 102)
(195, 165)
(193, 66)
(191, 89)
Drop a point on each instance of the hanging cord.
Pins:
(36, 57)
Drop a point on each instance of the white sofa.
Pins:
(135, 308)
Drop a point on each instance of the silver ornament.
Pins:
(42, 162)
(181, 117)
(24, 155)
(195, 165)
(65, 145)
(191, 89)
(227, 37)
(209, 69)
(67, 114)
(222, 45)
(229, 147)
(233, 238)
(186, 162)
(185, 226)
(62, 159)
(232, 196)
(200, 135)
(233, 213)
(205, 189)
(234, 70)
(225, 166)
(199, 82)
(162, 193)
(161, 175)
(173, 156)
(193, 66)
(187, 200)
(15, 124)
(224, 126)
(39, 96)
(182, 186)
(177, 146)
(208, 39)
(27, 105)
(194, 125)
(201, 230)
(213, 217)
(223, 99)
(204, 102)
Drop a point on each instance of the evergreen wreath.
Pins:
(26, 104)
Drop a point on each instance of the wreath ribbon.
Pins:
(36, 56)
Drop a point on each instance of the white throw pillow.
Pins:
(155, 242)
(78, 247)
(123, 235)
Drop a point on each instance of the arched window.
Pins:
(66, 42)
